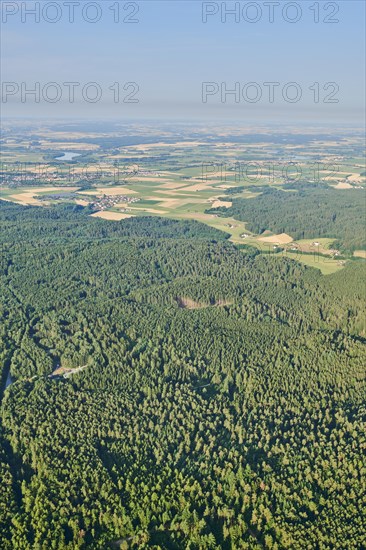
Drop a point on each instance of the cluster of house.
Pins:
(107, 201)
(16, 178)
(148, 173)
(295, 247)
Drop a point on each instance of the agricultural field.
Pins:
(184, 175)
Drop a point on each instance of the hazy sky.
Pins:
(169, 53)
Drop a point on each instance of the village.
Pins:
(105, 202)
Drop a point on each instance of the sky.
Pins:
(179, 60)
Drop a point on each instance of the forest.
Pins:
(305, 212)
(222, 403)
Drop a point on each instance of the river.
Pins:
(68, 156)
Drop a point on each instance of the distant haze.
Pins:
(161, 65)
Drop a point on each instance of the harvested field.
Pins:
(116, 191)
(356, 178)
(342, 185)
(29, 196)
(26, 198)
(360, 253)
(218, 204)
(150, 210)
(200, 187)
(283, 238)
(108, 191)
(113, 216)
(82, 202)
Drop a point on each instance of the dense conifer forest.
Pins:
(222, 403)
